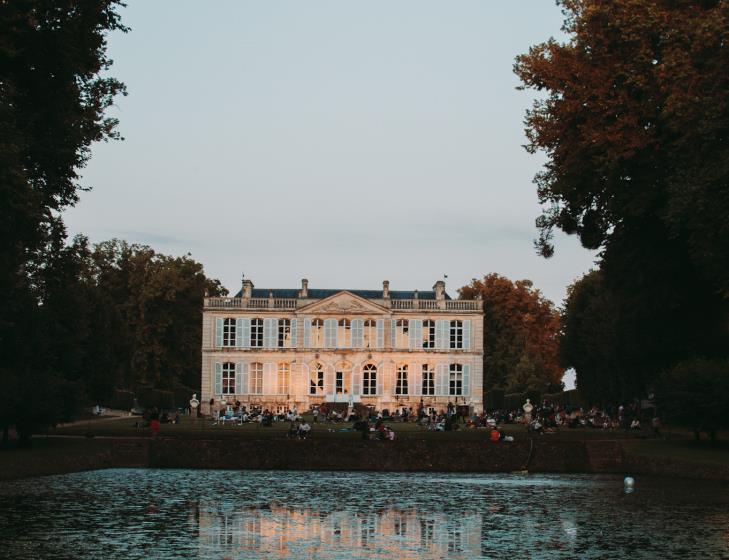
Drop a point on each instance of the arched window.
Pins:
(229, 332)
(256, 333)
(456, 334)
(401, 385)
(284, 333)
(402, 334)
(370, 334)
(316, 380)
(283, 378)
(256, 378)
(317, 333)
(428, 380)
(229, 378)
(369, 380)
(456, 380)
(428, 334)
(344, 336)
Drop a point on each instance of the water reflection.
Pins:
(276, 531)
(239, 515)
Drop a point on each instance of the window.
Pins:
(369, 385)
(428, 334)
(456, 334)
(256, 333)
(317, 333)
(456, 380)
(228, 378)
(428, 380)
(283, 378)
(256, 376)
(370, 334)
(401, 386)
(316, 380)
(344, 336)
(339, 382)
(402, 334)
(229, 332)
(284, 333)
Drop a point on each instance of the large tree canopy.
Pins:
(635, 124)
(520, 335)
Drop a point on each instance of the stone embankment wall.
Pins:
(537, 456)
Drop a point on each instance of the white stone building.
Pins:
(283, 348)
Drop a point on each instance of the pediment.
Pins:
(343, 302)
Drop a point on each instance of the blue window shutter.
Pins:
(238, 378)
(218, 385)
(270, 328)
(357, 333)
(269, 379)
(467, 335)
(330, 333)
(467, 379)
(440, 336)
(414, 379)
(356, 381)
(294, 332)
(416, 334)
(239, 333)
(242, 389)
(393, 333)
(245, 331)
(380, 333)
(307, 333)
(441, 380)
(329, 379)
(218, 332)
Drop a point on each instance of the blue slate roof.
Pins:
(321, 294)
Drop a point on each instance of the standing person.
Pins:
(656, 423)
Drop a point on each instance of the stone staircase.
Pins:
(604, 456)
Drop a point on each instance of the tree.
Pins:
(695, 393)
(52, 108)
(520, 334)
(634, 125)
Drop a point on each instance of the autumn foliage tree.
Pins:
(520, 335)
(635, 125)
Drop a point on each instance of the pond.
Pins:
(136, 513)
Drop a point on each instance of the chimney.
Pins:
(439, 288)
(304, 292)
(386, 289)
(247, 289)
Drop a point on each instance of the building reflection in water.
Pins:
(276, 531)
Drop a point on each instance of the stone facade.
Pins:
(283, 348)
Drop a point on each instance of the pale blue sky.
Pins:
(346, 142)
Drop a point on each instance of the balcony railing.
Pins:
(293, 303)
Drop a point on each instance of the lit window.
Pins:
(256, 333)
(284, 333)
(229, 332)
(316, 381)
(401, 386)
(370, 334)
(317, 333)
(428, 334)
(428, 380)
(256, 378)
(344, 336)
(369, 385)
(456, 380)
(402, 334)
(228, 378)
(456, 334)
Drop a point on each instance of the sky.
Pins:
(344, 142)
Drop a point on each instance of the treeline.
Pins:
(521, 336)
(633, 121)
